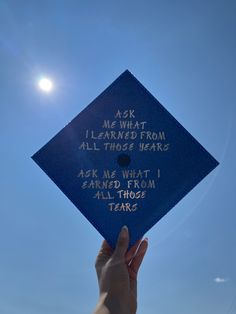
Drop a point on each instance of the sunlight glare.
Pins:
(45, 84)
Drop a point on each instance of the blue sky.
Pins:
(184, 53)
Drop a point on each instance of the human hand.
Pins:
(117, 272)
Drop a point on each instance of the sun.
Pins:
(45, 84)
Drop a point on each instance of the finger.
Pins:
(137, 260)
(122, 243)
(105, 249)
(130, 254)
(104, 254)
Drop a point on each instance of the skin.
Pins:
(117, 272)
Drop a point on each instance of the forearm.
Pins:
(111, 305)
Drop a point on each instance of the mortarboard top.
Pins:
(124, 160)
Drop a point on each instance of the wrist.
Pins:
(108, 304)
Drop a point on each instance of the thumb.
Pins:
(122, 242)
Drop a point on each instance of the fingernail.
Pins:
(124, 230)
(146, 239)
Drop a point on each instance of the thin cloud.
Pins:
(220, 280)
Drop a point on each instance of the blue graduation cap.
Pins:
(124, 160)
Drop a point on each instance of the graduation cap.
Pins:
(124, 160)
